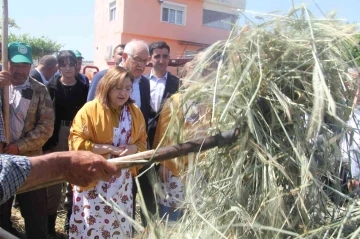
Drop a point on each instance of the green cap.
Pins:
(77, 54)
(20, 52)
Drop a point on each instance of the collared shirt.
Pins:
(157, 88)
(135, 94)
(13, 172)
(42, 77)
(20, 98)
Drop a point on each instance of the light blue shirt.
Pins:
(135, 94)
(157, 88)
(13, 172)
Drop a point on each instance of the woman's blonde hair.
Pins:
(115, 76)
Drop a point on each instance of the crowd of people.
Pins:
(64, 127)
(55, 112)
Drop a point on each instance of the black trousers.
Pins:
(145, 183)
(33, 207)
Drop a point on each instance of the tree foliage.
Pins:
(40, 45)
(11, 23)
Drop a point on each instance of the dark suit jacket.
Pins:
(36, 75)
(171, 87)
(145, 98)
(95, 81)
(144, 92)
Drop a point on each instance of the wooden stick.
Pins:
(5, 99)
(151, 156)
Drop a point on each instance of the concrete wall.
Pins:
(141, 19)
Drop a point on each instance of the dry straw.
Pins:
(285, 82)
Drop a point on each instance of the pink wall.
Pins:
(176, 50)
(140, 19)
(147, 22)
(107, 33)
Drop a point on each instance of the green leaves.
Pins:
(11, 23)
(40, 45)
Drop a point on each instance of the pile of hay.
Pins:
(285, 83)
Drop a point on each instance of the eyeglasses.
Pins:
(120, 89)
(164, 56)
(139, 59)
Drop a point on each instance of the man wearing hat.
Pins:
(79, 59)
(31, 125)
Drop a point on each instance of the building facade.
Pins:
(186, 25)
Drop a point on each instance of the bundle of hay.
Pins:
(285, 83)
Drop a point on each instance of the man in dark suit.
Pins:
(162, 83)
(117, 57)
(45, 70)
(134, 59)
(79, 59)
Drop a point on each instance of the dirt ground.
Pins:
(18, 223)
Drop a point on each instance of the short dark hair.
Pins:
(158, 45)
(120, 45)
(64, 55)
(48, 61)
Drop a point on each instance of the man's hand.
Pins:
(163, 173)
(11, 149)
(86, 167)
(5, 79)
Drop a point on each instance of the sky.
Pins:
(71, 22)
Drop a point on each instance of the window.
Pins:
(218, 19)
(173, 13)
(221, 1)
(108, 52)
(112, 10)
(190, 54)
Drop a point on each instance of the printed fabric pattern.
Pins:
(92, 217)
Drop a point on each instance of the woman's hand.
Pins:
(118, 151)
(107, 149)
(128, 149)
(163, 173)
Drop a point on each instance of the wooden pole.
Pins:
(148, 157)
(5, 99)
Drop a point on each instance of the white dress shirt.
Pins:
(135, 94)
(157, 88)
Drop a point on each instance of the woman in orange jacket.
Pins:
(111, 125)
